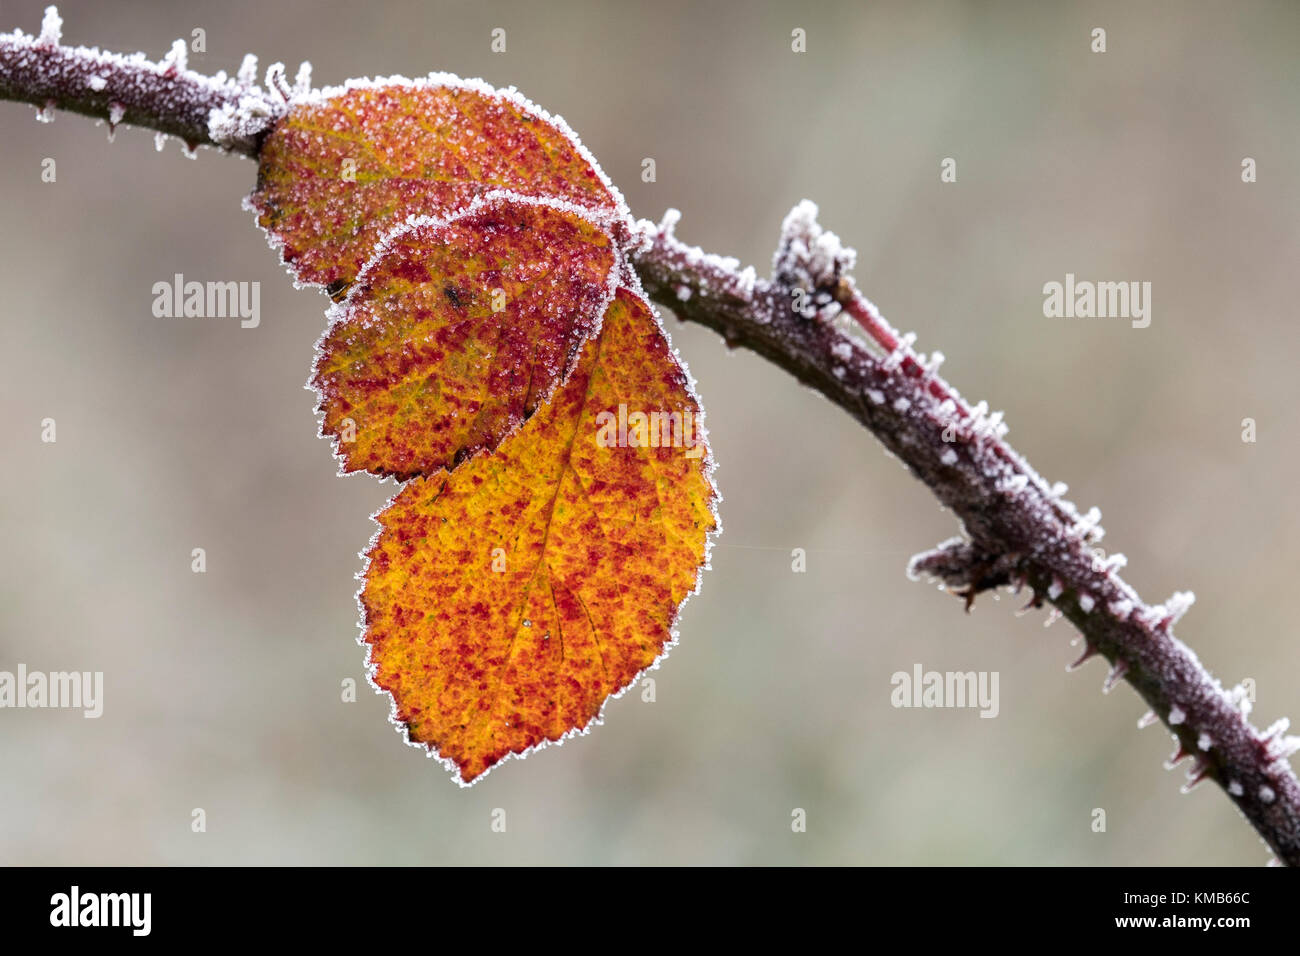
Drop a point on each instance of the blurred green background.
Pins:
(223, 689)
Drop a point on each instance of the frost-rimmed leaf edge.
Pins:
(337, 312)
(622, 223)
(632, 284)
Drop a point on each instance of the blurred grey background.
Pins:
(223, 689)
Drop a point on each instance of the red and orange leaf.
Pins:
(346, 165)
(559, 500)
(504, 602)
(458, 331)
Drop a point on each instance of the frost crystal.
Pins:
(1278, 727)
(715, 274)
(1283, 748)
(1239, 697)
(808, 256)
(1235, 788)
(1179, 604)
(177, 58)
(1014, 485)
(1204, 741)
(994, 425)
(1088, 526)
(247, 75)
(51, 28)
(302, 82)
(1086, 602)
(233, 123)
(747, 280)
(1266, 794)
(97, 83)
(949, 457)
(1176, 715)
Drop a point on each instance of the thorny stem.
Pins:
(1018, 531)
(163, 96)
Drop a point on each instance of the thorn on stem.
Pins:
(1198, 772)
(1116, 674)
(276, 83)
(1035, 602)
(1088, 651)
(1181, 753)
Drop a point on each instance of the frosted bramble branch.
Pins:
(810, 319)
(1019, 532)
(165, 96)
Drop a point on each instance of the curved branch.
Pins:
(164, 96)
(810, 319)
(1019, 531)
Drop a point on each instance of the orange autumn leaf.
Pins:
(458, 331)
(346, 165)
(558, 499)
(505, 601)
